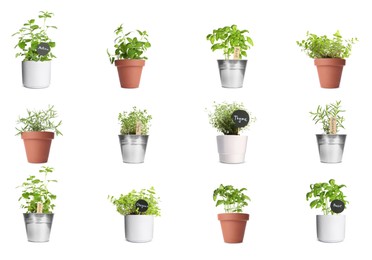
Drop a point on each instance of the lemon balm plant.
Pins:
(129, 57)
(139, 209)
(329, 54)
(233, 221)
(35, 46)
(231, 41)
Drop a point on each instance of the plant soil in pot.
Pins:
(230, 119)
(128, 57)
(329, 56)
(233, 221)
(231, 41)
(39, 203)
(35, 47)
(330, 144)
(328, 196)
(138, 209)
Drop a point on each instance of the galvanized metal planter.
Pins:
(331, 147)
(38, 226)
(133, 148)
(232, 73)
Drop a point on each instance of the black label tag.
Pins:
(43, 49)
(337, 206)
(240, 118)
(142, 205)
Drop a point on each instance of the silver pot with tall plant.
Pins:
(37, 200)
(233, 42)
(330, 144)
(134, 134)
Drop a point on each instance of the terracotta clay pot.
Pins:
(233, 226)
(37, 145)
(329, 71)
(130, 72)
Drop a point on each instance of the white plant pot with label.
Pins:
(139, 228)
(330, 228)
(231, 148)
(36, 74)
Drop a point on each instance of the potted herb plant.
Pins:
(128, 56)
(35, 48)
(37, 200)
(134, 136)
(233, 42)
(233, 221)
(328, 196)
(330, 144)
(34, 132)
(329, 56)
(230, 119)
(138, 209)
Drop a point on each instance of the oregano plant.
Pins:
(324, 115)
(322, 194)
(129, 121)
(35, 190)
(227, 38)
(31, 34)
(232, 199)
(126, 204)
(128, 46)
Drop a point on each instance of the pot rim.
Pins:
(331, 134)
(132, 135)
(233, 216)
(39, 61)
(232, 60)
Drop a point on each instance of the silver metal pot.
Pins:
(232, 73)
(331, 147)
(133, 148)
(38, 226)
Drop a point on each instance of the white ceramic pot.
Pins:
(231, 148)
(139, 228)
(330, 228)
(36, 74)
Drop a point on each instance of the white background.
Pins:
(179, 81)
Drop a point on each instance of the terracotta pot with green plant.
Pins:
(37, 200)
(233, 221)
(230, 119)
(328, 196)
(231, 41)
(35, 48)
(128, 56)
(139, 209)
(329, 56)
(34, 132)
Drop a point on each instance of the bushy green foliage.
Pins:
(126, 204)
(128, 121)
(324, 193)
(129, 47)
(318, 47)
(36, 190)
(323, 116)
(229, 37)
(231, 198)
(31, 35)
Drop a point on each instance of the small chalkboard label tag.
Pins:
(240, 118)
(337, 206)
(142, 205)
(43, 49)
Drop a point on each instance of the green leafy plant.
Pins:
(126, 204)
(324, 193)
(129, 47)
(129, 120)
(318, 47)
(39, 121)
(221, 118)
(35, 190)
(231, 198)
(229, 37)
(324, 115)
(31, 35)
